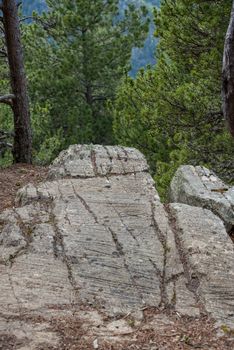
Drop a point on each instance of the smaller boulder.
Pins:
(200, 187)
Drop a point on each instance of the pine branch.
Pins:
(7, 99)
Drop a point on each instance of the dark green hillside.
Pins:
(33, 5)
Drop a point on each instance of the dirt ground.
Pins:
(16, 176)
(159, 330)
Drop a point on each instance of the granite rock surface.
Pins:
(95, 240)
(198, 186)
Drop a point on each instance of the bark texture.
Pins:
(228, 75)
(22, 148)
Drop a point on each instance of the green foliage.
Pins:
(6, 118)
(140, 56)
(6, 160)
(173, 113)
(5, 111)
(47, 144)
(76, 54)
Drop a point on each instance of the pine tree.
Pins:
(17, 99)
(77, 53)
(181, 97)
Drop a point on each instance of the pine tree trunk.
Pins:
(228, 75)
(22, 148)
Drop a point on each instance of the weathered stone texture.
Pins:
(91, 161)
(97, 234)
(208, 259)
(198, 186)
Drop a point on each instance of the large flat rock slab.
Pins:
(97, 239)
(198, 186)
(104, 233)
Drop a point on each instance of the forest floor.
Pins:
(158, 330)
(15, 177)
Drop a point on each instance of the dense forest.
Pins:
(39, 5)
(173, 112)
(140, 56)
(78, 57)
